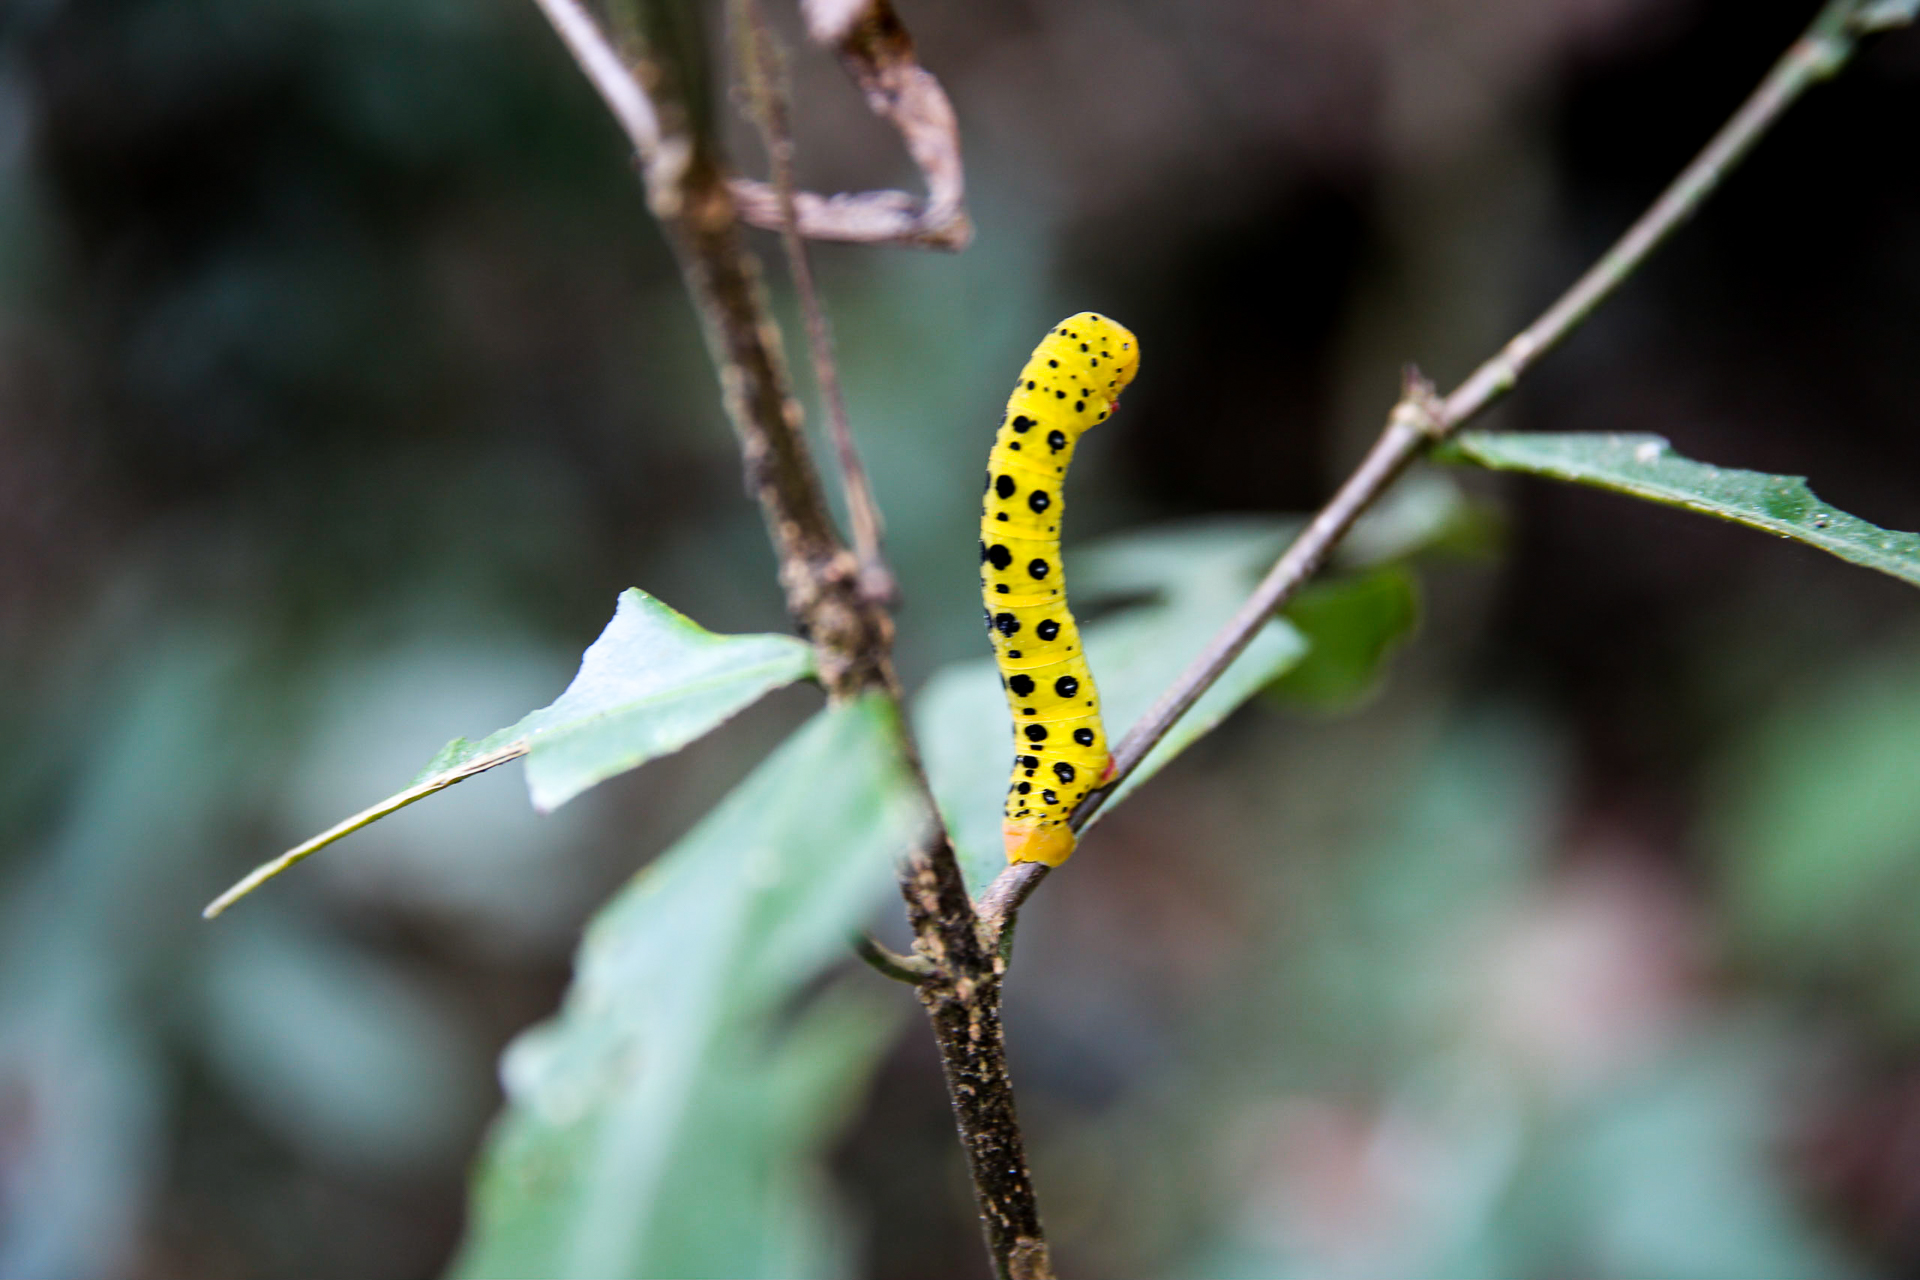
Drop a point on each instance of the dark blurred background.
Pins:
(344, 380)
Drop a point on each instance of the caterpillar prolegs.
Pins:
(1072, 381)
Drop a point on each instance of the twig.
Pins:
(1823, 50)
(761, 57)
(1413, 424)
(688, 192)
(912, 970)
(863, 217)
(1421, 418)
(618, 89)
(876, 50)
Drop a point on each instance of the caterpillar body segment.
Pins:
(1071, 382)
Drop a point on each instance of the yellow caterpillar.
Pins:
(1072, 381)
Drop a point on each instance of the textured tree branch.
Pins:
(962, 1000)
(687, 190)
(1421, 418)
(956, 974)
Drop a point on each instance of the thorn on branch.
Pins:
(912, 970)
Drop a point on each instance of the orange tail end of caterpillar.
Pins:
(1070, 384)
(1049, 842)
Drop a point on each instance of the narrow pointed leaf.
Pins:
(670, 1119)
(1645, 466)
(654, 681)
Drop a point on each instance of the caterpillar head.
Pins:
(1075, 376)
(1108, 341)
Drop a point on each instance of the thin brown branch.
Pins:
(1421, 418)
(687, 190)
(1412, 425)
(850, 630)
(962, 1001)
(961, 995)
(1000, 902)
(1828, 44)
(607, 73)
(761, 57)
(877, 51)
(860, 217)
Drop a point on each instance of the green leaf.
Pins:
(654, 681)
(1200, 572)
(1351, 626)
(670, 1120)
(340, 1055)
(1644, 466)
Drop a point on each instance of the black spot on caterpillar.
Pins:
(1047, 683)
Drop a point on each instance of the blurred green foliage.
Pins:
(1350, 626)
(666, 1122)
(1451, 1058)
(1817, 837)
